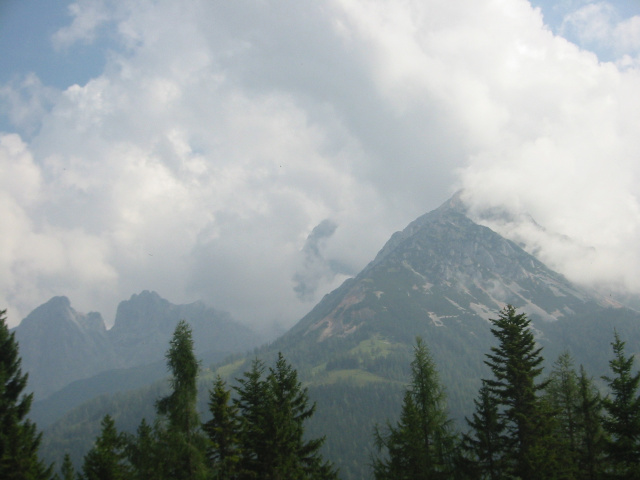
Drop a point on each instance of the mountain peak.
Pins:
(444, 268)
(144, 325)
(451, 211)
(59, 302)
(455, 204)
(57, 335)
(146, 295)
(56, 313)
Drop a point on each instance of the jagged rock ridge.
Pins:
(59, 345)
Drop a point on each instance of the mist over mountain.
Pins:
(441, 278)
(445, 271)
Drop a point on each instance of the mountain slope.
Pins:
(441, 278)
(447, 270)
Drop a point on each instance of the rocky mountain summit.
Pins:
(59, 345)
(445, 270)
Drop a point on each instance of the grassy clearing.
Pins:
(376, 346)
(355, 377)
(231, 369)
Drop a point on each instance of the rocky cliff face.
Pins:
(144, 325)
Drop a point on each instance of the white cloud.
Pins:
(88, 17)
(26, 101)
(598, 25)
(627, 34)
(579, 178)
(222, 133)
(38, 259)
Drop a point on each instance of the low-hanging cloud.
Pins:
(317, 271)
(204, 160)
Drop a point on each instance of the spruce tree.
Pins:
(223, 431)
(107, 459)
(483, 448)
(562, 397)
(421, 445)
(143, 453)
(562, 391)
(591, 435)
(516, 365)
(250, 402)
(180, 437)
(19, 439)
(622, 420)
(67, 471)
(292, 455)
(272, 414)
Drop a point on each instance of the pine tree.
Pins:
(107, 459)
(223, 431)
(19, 439)
(516, 364)
(484, 446)
(622, 421)
(181, 440)
(421, 445)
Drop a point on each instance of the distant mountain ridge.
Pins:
(58, 345)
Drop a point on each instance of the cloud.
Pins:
(40, 259)
(599, 25)
(253, 154)
(316, 270)
(26, 102)
(88, 17)
(576, 175)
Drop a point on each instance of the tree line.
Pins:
(258, 433)
(524, 426)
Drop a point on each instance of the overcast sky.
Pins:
(254, 154)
